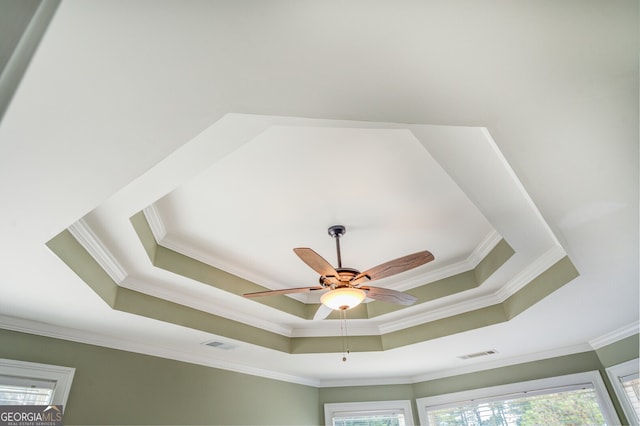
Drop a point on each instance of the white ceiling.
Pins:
(121, 110)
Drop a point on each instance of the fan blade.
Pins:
(322, 312)
(317, 263)
(388, 295)
(283, 291)
(395, 266)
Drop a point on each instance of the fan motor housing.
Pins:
(344, 275)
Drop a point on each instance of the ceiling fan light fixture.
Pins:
(344, 298)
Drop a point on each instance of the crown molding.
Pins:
(172, 244)
(332, 328)
(530, 272)
(158, 230)
(523, 278)
(488, 365)
(366, 382)
(80, 336)
(94, 246)
(155, 222)
(498, 363)
(616, 335)
(90, 242)
(88, 239)
(484, 248)
(439, 313)
(480, 252)
(209, 306)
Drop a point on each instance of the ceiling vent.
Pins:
(220, 345)
(478, 354)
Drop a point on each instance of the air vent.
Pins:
(478, 354)
(220, 345)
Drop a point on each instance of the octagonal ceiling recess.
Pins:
(220, 217)
(284, 188)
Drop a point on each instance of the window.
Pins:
(377, 413)
(27, 383)
(25, 391)
(625, 378)
(566, 400)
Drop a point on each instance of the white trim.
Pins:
(489, 242)
(615, 372)
(615, 336)
(208, 306)
(591, 377)
(478, 302)
(484, 248)
(83, 233)
(75, 335)
(330, 409)
(342, 383)
(158, 229)
(493, 364)
(487, 365)
(530, 272)
(172, 244)
(479, 253)
(62, 376)
(155, 222)
(79, 336)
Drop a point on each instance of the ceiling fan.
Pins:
(345, 285)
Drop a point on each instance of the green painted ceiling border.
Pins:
(172, 261)
(70, 251)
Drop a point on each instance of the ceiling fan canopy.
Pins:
(345, 285)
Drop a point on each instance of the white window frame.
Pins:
(330, 409)
(61, 376)
(457, 398)
(615, 372)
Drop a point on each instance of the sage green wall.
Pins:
(117, 387)
(621, 351)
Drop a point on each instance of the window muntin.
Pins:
(579, 398)
(373, 418)
(375, 413)
(562, 407)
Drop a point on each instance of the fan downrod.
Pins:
(337, 231)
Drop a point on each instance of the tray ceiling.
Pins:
(157, 146)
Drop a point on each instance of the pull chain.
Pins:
(344, 334)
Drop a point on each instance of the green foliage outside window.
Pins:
(578, 407)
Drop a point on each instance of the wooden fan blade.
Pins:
(322, 312)
(317, 263)
(395, 266)
(283, 291)
(388, 295)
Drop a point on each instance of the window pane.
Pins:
(16, 395)
(631, 385)
(369, 420)
(25, 391)
(576, 407)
